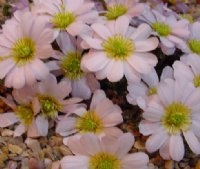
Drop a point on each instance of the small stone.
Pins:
(197, 165)
(169, 164)
(7, 132)
(14, 149)
(139, 145)
(65, 150)
(33, 144)
(3, 158)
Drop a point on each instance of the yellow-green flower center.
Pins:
(70, 65)
(116, 11)
(49, 106)
(118, 47)
(161, 28)
(25, 114)
(152, 91)
(194, 46)
(176, 118)
(23, 50)
(63, 19)
(104, 160)
(89, 122)
(196, 81)
(188, 17)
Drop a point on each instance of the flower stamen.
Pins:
(118, 47)
(89, 122)
(104, 160)
(70, 65)
(161, 28)
(116, 11)
(176, 118)
(194, 46)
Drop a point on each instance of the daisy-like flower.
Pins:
(188, 69)
(24, 43)
(116, 51)
(172, 32)
(68, 64)
(90, 152)
(37, 105)
(23, 113)
(169, 117)
(192, 45)
(141, 92)
(117, 8)
(100, 119)
(67, 15)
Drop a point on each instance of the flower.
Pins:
(90, 152)
(117, 8)
(172, 32)
(115, 52)
(22, 49)
(68, 64)
(23, 112)
(141, 92)
(68, 16)
(20, 5)
(169, 116)
(100, 119)
(37, 105)
(188, 69)
(192, 45)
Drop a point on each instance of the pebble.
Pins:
(7, 132)
(169, 164)
(14, 149)
(197, 165)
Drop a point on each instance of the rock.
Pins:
(169, 164)
(3, 158)
(14, 149)
(139, 145)
(7, 132)
(197, 165)
(33, 144)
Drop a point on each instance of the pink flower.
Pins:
(24, 43)
(169, 117)
(91, 152)
(100, 119)
(38, 105)
(118, 49)
(141, 92)
(188, 69)
(68, 64)
(191, 47)
(67, 15)
(172, 32)
(117, 8)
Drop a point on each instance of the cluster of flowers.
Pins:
(80, 43)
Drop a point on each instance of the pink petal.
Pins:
(117, 71)
(121, 25)
(42, 125)
(20, 129)
(94, 61)
(5, 67)
(135, 160)
(112, 119)
(155, 141)
(8, 119)
(125, 142)
(101, 30)
(176, 147)
(142, 62)
(192, 141)
(146, 45)
(97, 98)
(75, 162)
(75, 28)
